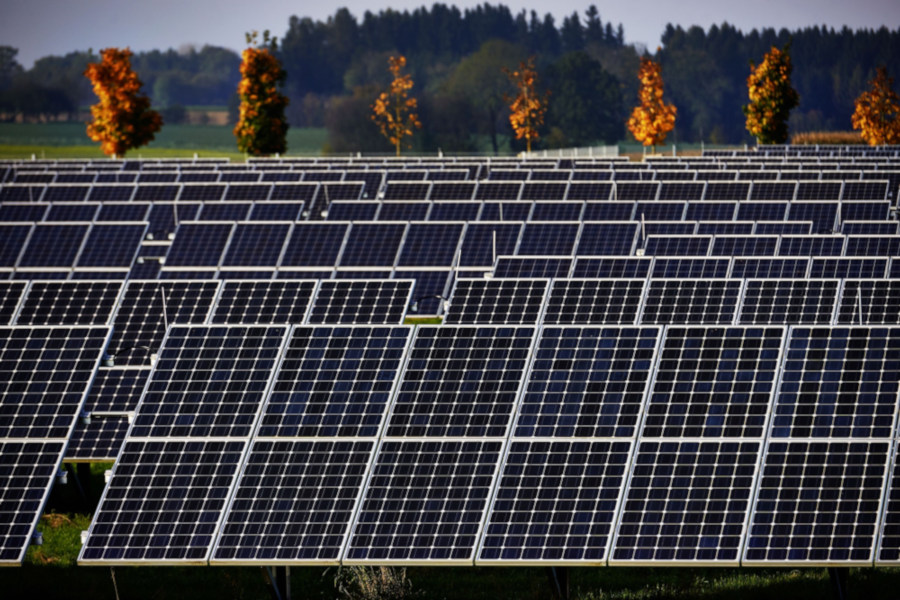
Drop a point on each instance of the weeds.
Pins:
(374, 583)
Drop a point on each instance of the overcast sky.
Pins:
(41, 27)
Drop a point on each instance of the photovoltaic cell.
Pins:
(818, 503)
(588, 382)
(164, 502)
(334, 381)
(689, 267)
(294, 502)
(532, 266)
(424, 502)
(612, 267)
(199, 244)
(209, 381)
(841, 268)
(372, 245)
(543, 239)
(478, 244)
(697, 301)
(556, 501)
(430, 245)
(460, 382)
(607, 239)
(10, 295)
(769, 268)
(714, 382)
(496, 301)
(686, 502)
(594, 301)
(69, 303)
(281, 302)
(256, 244)
(870, 301)
(53, 245)
(314, 245)
(839, 383)
(361, 301)
(789, 302)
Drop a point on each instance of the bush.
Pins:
(374, 583)
(827, 137)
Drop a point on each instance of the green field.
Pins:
(69, 140)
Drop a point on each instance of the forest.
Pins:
(336, 68)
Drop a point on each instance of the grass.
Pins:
(423, 320)
(68, 140)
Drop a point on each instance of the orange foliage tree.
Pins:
(526, 113)
(877, 113)
(771, 97)
(122, 119)
(262, 127)
(394, 111)
(652, 119)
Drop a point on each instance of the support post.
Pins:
(559, 582)
(840, 577)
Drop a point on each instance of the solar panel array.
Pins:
(682, 361)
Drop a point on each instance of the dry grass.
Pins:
(811, 138)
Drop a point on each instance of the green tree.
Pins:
(479, 78)
(586, 104)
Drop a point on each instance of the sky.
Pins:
(41, 27)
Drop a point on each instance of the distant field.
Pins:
(69, 140)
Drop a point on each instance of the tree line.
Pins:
(336, 68)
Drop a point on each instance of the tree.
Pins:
(528, 107)
(771, 97)
(123, 119)
(475, 80)
(261, 128)
(394, 111)
(586, 103)
(652, 119)
(877, 113)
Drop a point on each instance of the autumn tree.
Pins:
(771, 97)
(652, 119)
(877, 113)
(394, 111)
(122, 119)
(528, 107)
(262, 127)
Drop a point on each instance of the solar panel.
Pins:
(116, 390)
(280, 302)
(590, 190)
(22, 212)
(496, 301)
(865, 211)
(711, 211)
(714, 382)
(112, 245)
(555, 501)
(717, 190)
(745, 245)
(98, 441)
(690, 267)
(869, 301)
(660, 211)
(612, 267)
(424, 502)
(29, 468)
(818, 502)
(209, 381)
(452, 191)
(545, 190)
(69, 303)
(872, 245)
(11, 293)
(314, 245)
(681, 190)
(123, 212)
(789, 301)
(353, 211)
(494, 190)
(276, 211)
(430, 245)
(406, 190)
(53, 245)
(698, 301)
(811, 245)
(532, 266)
(483, 242)
(65, 193)
(865, 190)
(607, 239)
(361, 301)
(870, 227)
(372, 244)
(632, 190)
(557, 211)
(199, 244)
(147, 306)
(848, 267)
(769, 268)
(71, 212)
(553, 239)
(256, 245)
(588, 382)
(403, 211)
(686, 502)
(762, 211)
(335, 381)
(671, 245)
(506, 211)
(172, 516)
(294, 502)
(224, 211)
(454, 211)
(594, 301)
(823, 215)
